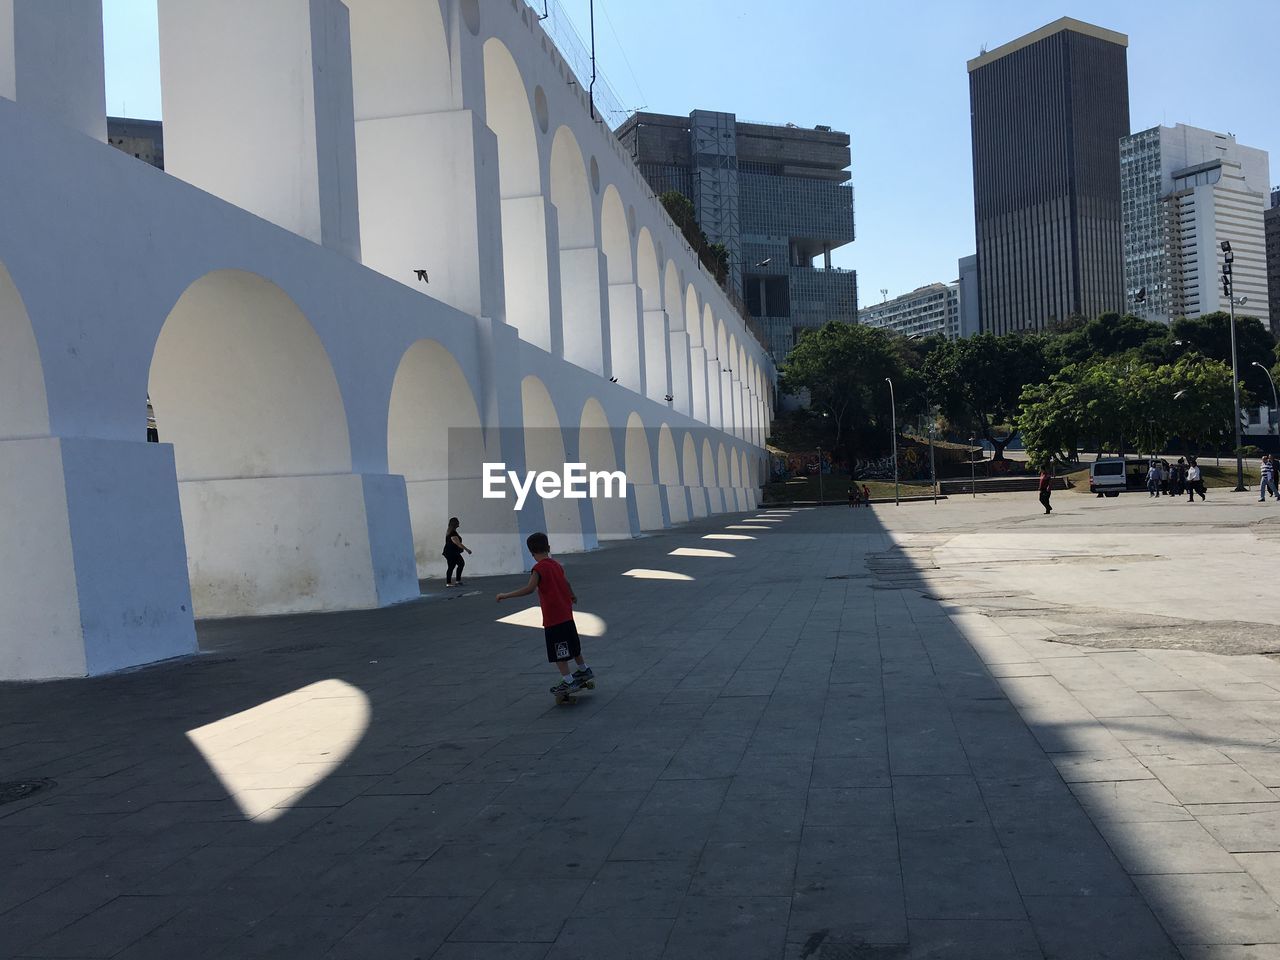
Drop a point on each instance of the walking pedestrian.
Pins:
(1179, 478)
(1194, 483)
(556, 598)
(1153, 478)
(452, 553)
(1267, 480)
(1046, 489)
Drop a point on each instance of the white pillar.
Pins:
(657, 371)
(429, 201)
(94, 559)
(584, 308)
(681, 381)
(698, 369)
(51, 61)
(626, 361)
(258, 110)
(530, 258)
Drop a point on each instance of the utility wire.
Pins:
(623, 50)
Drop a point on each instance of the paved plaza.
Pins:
(954, 731)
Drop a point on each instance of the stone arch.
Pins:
(582, 297)
(400, 65)
(669, 477)
(671, 298)
(544, 450)
(710, 485)
(726, 378)
(723, 476)
(242, 384)
(654, 324)
(243, 388)
(624, 295)
(524, 216)
(668, 465)
(403, 85)
(689, 462)
(713, 376)
(596, 450)
(434, 437)
(733, 378)
(24, 406)
(693, 316)
(639, 467)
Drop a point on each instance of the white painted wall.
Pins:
(303, 509)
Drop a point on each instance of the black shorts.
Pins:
(562, 642)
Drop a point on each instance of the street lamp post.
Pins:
(1228, 288)
(933, 469)
(893, 414)
(973, 469)
(1274, 403)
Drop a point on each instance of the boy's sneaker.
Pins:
(563, 687)
(582, 676)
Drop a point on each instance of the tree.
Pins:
(978, 381)
(1107, 335)
(1210, 335)
(1119, 401)
(714, 256)
(843, 367)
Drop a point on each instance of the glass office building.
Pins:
(776, 195)
(1047, 112)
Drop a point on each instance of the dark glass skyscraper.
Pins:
(1048, 111)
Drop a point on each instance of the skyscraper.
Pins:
(776, 195)
(1048, 111)
(1272, 227)
(1184, 190)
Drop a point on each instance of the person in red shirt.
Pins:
(1046, 489)
(556, 598)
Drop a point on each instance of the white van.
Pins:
(1107, 477)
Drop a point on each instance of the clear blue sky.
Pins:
(892, 75)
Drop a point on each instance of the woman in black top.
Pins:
(452, 552)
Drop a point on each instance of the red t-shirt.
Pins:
(553, 593)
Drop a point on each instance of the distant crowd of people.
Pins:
(1173, 480)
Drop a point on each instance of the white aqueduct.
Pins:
(263, 293)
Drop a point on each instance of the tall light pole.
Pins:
(1228, 290)
(893, 413)
(1274, 403)
(933, 468)
(973, 470)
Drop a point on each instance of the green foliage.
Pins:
(977, 382)
(715, 256)
(1248, 451)
(1210, 336)
(1119, 402)
(1107, 335)
(843, 367)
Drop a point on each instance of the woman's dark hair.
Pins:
(453, 526)
(538, 543)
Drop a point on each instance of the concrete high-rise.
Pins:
(1185, 190)
(1271, 221)
(1048, 111)
(777, 196)
(932, 310)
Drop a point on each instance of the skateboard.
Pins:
(570, 698)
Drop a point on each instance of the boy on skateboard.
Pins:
(556, 598)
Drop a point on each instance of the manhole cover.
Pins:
(21, 789)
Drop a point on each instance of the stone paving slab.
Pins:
(803, 751)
